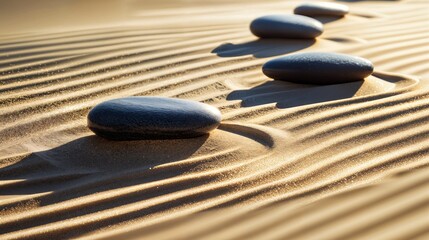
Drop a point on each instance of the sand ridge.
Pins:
(281, 156)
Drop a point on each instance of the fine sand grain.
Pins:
(289, 161)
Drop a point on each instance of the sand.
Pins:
(289, 161)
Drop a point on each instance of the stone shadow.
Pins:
(288, 95)
(263, 48)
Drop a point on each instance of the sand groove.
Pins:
(289, 161)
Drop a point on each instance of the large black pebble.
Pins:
(315, 9)
(318, 68)
(133, 118)
(286, 26)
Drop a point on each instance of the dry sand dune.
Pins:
(289, 161)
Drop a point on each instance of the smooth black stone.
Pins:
(133, 118)
(318, 68)
(322, 9)
(286, 26)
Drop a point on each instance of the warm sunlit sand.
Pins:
(289, 161)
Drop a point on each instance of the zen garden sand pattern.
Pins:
(214, 119)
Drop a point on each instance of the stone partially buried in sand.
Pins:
(322, 9)
(318, 68)
(133, 118)
(286, 26)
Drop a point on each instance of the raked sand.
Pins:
(289, 161)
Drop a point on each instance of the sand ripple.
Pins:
(289, 161)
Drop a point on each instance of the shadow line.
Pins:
(288, 95)
(263, 48)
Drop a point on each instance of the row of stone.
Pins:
(299, 26)
(163, 118)
(314, 67)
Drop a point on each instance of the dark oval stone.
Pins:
(286, 26)
(322, 9)
(318, 68)
(152, 118)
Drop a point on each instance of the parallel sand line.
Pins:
(384, 49)
(108, 90)
(159, 64)
(401, 19)
(284, 216)
(121, 176)
(389, 31)
(408, 204)
(232, 224)
(411, 66)
(91, 81)
(415, 223)
(416, 51)
(37, 128)
(422, 68)
(121, 87)
(43, 63)
(100, 42)
(418, 63)
(122, 72)
(389, 127)
(364, 157)
(30, 68)
(366, 119)
(108, 49)
(289, 223)
(104, 34)
(308, 116)
(125, 48)
(134, 46)
(380, 45)
(15, 59)
(371, 34)
(147, 54)
(316, 109)
(60, 227)
(146, 223)
(114, 195)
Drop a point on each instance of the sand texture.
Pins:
(289, 161)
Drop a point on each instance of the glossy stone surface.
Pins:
(286, 26)
(322, 9)
(318, 68)
(152, 118)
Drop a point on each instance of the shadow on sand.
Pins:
(327, 19)
(368, 0)
(288, 95)
(262, 48)
(88, 157)
(92, 165)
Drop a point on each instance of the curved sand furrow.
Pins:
(101, 34)
(400, 85)
(282, 219)
(310, 171)
(120, 54)
(281, 181)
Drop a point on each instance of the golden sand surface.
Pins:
(289, 161)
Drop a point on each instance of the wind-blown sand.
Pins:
(289, 161)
